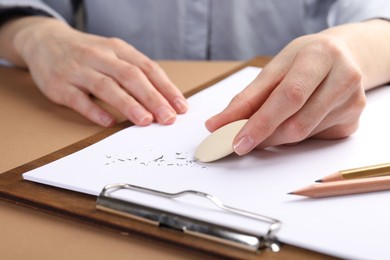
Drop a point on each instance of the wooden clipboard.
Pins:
(82, 208)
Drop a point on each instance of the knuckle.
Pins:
(154, 97)
(67, 98)
(115, 42)
(241, 100)
(264, 129)
(128, 75)
(297, 130)
(295, 94)
(72, 100)
(360, 101)
(346, 130)
(149, 66)
(329, 46)
(354, 110)
(262, 126)
(126, 104)
(237, 99)
(352, 76)
(101, 84)
(352, 128)
(88, 52)
(134, 72)
(123, 74)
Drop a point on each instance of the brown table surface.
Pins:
(32, 127)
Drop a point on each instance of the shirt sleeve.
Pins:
(350, 11)
(60, 9)
(13, 8)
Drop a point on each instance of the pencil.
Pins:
(356, 173)
(347, 187)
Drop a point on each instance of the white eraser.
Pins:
(219, 143)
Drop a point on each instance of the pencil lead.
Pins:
(291, 193)
(318, 180)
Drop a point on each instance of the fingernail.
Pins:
(244, 145)
(165, 115)
(209, 125)
(106, 120)
(181, 105)
(141, 116)
(209, 120)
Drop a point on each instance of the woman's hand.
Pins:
(312, 88)
(71, 66)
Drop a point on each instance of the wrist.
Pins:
(29, 32)
(368, 43)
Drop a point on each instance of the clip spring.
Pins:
(189, 225)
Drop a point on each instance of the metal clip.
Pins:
(223, 234)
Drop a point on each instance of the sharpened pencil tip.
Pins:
(318, 180)
(291, 193)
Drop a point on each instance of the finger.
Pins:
(335, 127)
(303, 123)
(331, 127)
(287, 98)
(248, 101)
(162, 83)
(134, 81)
(153, 72)
(328, 113)
(107, 90)
(80, 102)
(338, 131)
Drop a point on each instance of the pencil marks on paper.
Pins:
(153, 158)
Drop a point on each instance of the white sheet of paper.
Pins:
(161, 157)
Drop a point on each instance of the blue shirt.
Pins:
(210, 29)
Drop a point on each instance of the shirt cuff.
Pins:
(9, 13)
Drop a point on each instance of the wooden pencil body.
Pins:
(347, 187)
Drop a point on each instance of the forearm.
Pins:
(369, 43)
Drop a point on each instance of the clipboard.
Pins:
(82, 207)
